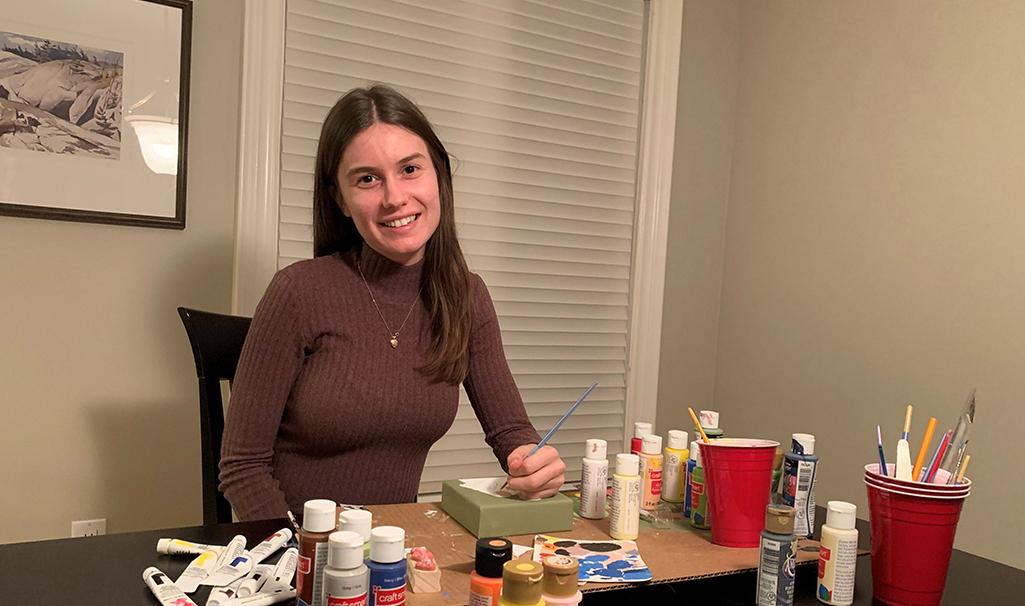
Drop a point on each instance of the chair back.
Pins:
(217, 341)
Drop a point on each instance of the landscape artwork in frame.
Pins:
(58, 97)
(94, 110)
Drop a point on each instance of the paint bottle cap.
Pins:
(841, 515)
(627, 464)
(163, 545)
(596, 449)
(319, 515)
(561, 576)
(779, 519)
(641, 429)
(356, 520)
(677, 439)
(492, 553)
(709, 419)
(652, 445)
(387, 544)
(344, 550)
(521, 581)
(693, 454)
(697, 456)
(803, 443)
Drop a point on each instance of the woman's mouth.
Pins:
(401, 222)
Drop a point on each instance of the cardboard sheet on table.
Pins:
(674, 554)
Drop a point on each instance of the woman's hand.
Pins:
(537, 476)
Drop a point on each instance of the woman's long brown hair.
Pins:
(446, 287)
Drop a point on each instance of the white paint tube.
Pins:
(178, 547)
(284, 571)
(230, 572)
(263, 598)
(255, 579)
(220, 595)
(235, 548)
(199, 569)
(167, 592)
(269, 545)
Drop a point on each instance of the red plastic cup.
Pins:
(912, 539)
(738, 477)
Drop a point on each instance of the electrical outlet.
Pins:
(89, 528)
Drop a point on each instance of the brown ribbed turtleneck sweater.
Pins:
(323, 407)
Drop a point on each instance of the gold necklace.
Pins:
(394, 341)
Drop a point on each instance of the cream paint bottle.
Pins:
(674, 472)
(651, 472)
(625, 517)
(838, 555)
(594, 480)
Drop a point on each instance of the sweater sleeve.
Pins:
(490, 385)
(270, 362)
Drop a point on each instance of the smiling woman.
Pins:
(328, 401)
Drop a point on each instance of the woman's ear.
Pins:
(337, 196)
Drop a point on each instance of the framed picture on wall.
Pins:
(94, 98)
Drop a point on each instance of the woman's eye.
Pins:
(365, 179)
(409, 170)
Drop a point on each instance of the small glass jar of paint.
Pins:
(559, 587)
(521, 583)
(486, 578)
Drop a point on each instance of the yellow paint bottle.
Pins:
(674, 473)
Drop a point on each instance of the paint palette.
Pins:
(600, 561)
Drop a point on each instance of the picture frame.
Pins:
(94, 101)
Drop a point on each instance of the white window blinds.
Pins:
(538, 103)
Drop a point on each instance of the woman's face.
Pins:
(388, 186)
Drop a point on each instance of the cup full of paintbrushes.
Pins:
(912, 531)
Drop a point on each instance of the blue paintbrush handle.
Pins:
(551, 433)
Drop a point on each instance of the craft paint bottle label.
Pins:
(346, 592)
(477, 599)
(390, 596)
(837, 563)
(776, 568)
(309, 576)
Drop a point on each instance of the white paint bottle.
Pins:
(838, 555)
(625, 517)
(594, 479)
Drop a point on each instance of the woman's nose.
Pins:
(395, 194)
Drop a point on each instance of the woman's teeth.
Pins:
(401, 222)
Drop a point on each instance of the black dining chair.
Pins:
(216, 345)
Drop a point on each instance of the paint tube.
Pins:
(178, 546)
(269, 545)
(235, 548)
(284, 571)
(264, 598)
(255, 579)
(230, 572)
(220, 595)
(167, 592)
(199, 569)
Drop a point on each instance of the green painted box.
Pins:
(490, 516)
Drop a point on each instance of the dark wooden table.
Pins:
(108, 570)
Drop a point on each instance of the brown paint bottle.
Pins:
(319, 521)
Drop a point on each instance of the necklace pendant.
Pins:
(394, 341)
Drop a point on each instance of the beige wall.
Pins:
(706, 110)
(97, 385)
(874, 247)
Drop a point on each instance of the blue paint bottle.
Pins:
(777, 558)
(800, 470)
(692, 460)
(387, 566)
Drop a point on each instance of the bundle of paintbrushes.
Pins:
(948, 461)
